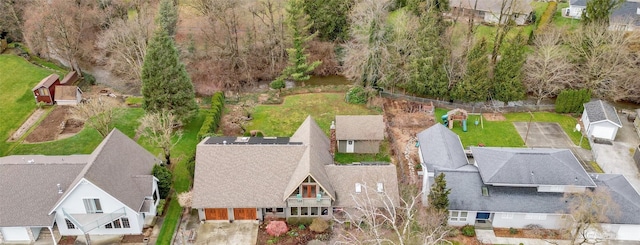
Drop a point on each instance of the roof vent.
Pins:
(31, 161)
(59, 189)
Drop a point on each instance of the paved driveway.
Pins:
(544, 135)
(618, 158)
(239, 232)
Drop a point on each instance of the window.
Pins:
(350, 142)
(108, 226)
(304, 211)
(358, 187)
(125, 222)
(309, 191)
(380, 187)
(70, 224)
(536, 216)
(507, 215)
(116, 224)
(268, 210)
(92, 205)
(485, 191)
(279, 210)
(294, 211)
(314, 210)
(44, 92)
(155, 195)
(458, 216)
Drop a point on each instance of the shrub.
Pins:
(164, 179)
(359, 95)
(277, 84)
(212, 121)
(319, 225)
(160, 207)
(547, 16)
(513, 231)
(572, 101)
(453, 232)
(191, 166)
(88, 78)
(297, 221)
(302, 227)
(468, 230)
(277, 228)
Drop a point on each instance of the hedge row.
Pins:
(572, 101)
(546, 17)
(212, 121)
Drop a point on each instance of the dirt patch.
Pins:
(67, 240)
(55, 124)
(294, 236)
(493, 116)
(462, 239)
(528, 233)
(404, 120)
(133, 239)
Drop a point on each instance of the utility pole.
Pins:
(526, 136)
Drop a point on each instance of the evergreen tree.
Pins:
(598, 11)
(439, 194)
(428, 71)
(165, 82)
(167, 18)
(508, 84)
(329, 18)
(475, 84)
(298, 24)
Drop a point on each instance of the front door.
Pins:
(309, 191)
(483, 216)
(350, 146)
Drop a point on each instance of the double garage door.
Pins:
(223, 214)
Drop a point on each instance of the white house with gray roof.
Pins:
(624, 17)
(516, 187)
(110, 191)
(600, 120)
(249, 178)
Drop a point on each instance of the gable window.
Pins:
(43, 92)
(358, 187)
(108, 226)
(125, 222)
(458, 216)
(380, 187)
(92, 205)
(70, 224)
(116, 224)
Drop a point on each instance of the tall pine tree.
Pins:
(507, 75)
(298, 24)
(439, 194)
(475, 85)
(429, 76)
(168, 16)
(166, 85)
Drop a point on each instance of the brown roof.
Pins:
(367, 127)
(70, 78)
(47, 81)
(494, 6)
(66, 93)
(344, 179)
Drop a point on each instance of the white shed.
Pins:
(68, 95)
(600, 120)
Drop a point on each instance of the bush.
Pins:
(468, 230)
(277, 84)
(546, 17)
(572, 101)
(513, 231)
(191, 166)
(357, 95)
(212, 121)
(453, 232)
(319, 225)
(164, 179)
(88, 78)
(297, 221)
(160, 207)
(277, 228)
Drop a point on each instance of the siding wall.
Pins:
(360, 146)
(519, 220)
(15, 234)
(471, 219)
(604, 129)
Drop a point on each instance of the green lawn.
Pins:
(284, 119)
(17, 78)
(504, 134)
(560, 21)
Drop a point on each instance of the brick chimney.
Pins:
(332, 138)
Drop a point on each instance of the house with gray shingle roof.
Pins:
(490, 11)
(110, 191)
(249, 178)
(516, 187)
(600, 120)
(359, 133)
(626, 16)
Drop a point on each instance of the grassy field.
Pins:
(503, 133)
(284, 119)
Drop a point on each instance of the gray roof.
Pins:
(441, 148)
(530, 166)
(599, 110)
(28, 187)
(47, 81)
(363, 127)
(493, 6)
(115, 166)
(344, 179)
(624, 195)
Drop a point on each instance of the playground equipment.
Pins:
(456, 115)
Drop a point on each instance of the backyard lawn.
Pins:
(284, 119)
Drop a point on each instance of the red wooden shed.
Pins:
(46, 89)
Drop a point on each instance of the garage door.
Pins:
(604, 132)
(628, 232)
(15, 234)
(216, 213)
(244, 213)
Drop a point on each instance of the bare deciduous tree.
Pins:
(11, 17)
(158, 128)
(588, 210)
(98, 114)
(547, 71)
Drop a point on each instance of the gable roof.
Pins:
(599, 110)
(623, 194)
(66, 93)
(114, 166)
(493, 6)
(28, 187)
(443, 148)
(529, 167)
(47, 81)
(70, 78)
(361, 127)
(344, 178)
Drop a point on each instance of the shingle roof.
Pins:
(627, 11)
(47, 81)
(365, 127)
(441, 148)
(28, 187)
(599, 110)
(344, 178)
(493, 6)
(530, 166)
(624, 195)
(66, 93)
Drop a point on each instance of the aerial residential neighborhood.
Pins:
(280, 122)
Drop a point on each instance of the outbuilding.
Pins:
(46, 89)
(600, 120)
(68, 95)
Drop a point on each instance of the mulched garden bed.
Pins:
(50, 128)
(528, 233)
(67, 240)
(294, 236)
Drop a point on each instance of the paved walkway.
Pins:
(488, 237)
(27, 124)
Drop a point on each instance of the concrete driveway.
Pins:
(618, 158)
(222, 232)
